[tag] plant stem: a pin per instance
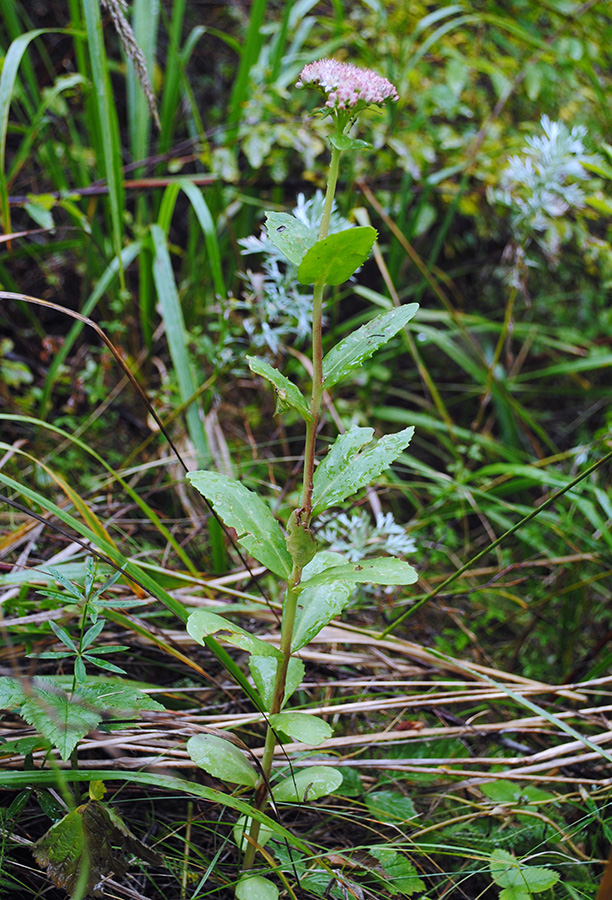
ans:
(291, 595)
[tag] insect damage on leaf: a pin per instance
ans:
(87, 846)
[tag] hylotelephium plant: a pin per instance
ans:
(318, 583)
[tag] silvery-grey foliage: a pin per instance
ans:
(279, 309)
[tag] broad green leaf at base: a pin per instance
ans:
(256, 887)
(302, 727)
(221, 759)
(307, 784)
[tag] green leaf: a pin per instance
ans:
(11, 693)
(258, 531)
(317, 606)
(300, 540)
(301, 727)
(287, 394)
(350, 352)
(289, 235)
(509, 872)
(402, 875)
(201, 624)
(256, 887)
(515, 893)
(114, 695)
(391, 807)
(344, 142)
(243, 827)
(263, 669)
(221, 759)
(384, 570)
(307, 784)
(352, 462)
(59, 718)
(86, 846)
(335, 258)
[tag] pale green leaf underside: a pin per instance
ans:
(301, 727)
(335, 258)
(307, 784)
(353, 462)
(202, 624)
(263, 669)
(384, 570)
(258, 531)
(256, 887)
(287, 392)
(221, 759)
(358, 346)
(289, 235)
(317, 606)
(242, 828)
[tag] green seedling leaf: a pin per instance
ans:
(11, 693)
(519, 880)
(258, 531)
(316, 607)
(263, 669)
(221, 759)
(391, 807)
(352, 462)
(288, 396)
(307, 784)
(202, 624)
(243, 827)
(334, 259)
(358, 346)
(300, 540)
(88, 845)
(291, 236)
(402, 875)
(256, 887)
(384, 570)
(301, 727)
(60, 719)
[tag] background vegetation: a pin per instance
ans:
(478, 724)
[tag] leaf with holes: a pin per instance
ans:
(289, 235)
(384, 570)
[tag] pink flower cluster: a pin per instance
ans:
(347, 85)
